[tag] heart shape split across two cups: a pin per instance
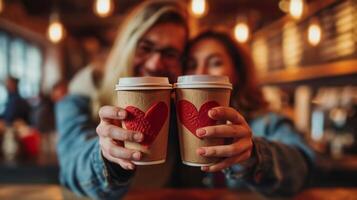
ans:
(146, 100)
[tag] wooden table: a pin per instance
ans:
(55, 192)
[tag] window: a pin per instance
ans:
(23, 60)
(3, 69)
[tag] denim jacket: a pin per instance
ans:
(82, 168)
(284, 160)
(282, 156)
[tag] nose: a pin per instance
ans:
(154, 63)
(201, 69)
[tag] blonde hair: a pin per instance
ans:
(135, 25)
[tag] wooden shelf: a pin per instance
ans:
(297, 74)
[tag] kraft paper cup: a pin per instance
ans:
(147, 101)
(195, 95)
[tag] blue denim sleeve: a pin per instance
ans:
(283, 159)
(82, 168)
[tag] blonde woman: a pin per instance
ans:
(150, 42)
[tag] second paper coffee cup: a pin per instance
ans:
(195, 96)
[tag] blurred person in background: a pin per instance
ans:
(16, 107)
(43, 116)
(59, 91)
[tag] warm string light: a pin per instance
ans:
(284, 5)
(198, 7)
(241, 32)
(55, 31)
(314, 34)
(296, 8)
(103, 8)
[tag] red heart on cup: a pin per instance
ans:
(149, 123)
(193, 119)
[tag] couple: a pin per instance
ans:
(266, 153)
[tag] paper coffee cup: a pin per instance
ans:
(147, 101)
(195, 96)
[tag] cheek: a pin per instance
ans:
(217, 71)
(228, 70)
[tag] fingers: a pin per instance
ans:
(111, 138)
(108, 113)
(108, 130)
(224, 130)
(226, 113)
(110, 148)
(227, 162)
(231, 150)
(125, 164)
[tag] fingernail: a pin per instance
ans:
(200, 132)
(204, 168)
(131, 167)
(201, 152)
(136, 156)
(122, 113)
(138, 137)
(213, 112)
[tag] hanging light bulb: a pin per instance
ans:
(103, 8)
(314, 34)
(241, 32)
(284, 5)
(198, 7)
(55, 31)
(296, 8)
(1, 5)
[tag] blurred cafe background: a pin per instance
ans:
(305, 52)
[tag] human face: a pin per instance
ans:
(159, 51)
(208, 56)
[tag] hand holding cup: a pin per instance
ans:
(112, 137)
(237, 129)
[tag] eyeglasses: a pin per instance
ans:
(146, 49)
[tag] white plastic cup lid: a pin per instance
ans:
(143, 83)
(203, 81)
